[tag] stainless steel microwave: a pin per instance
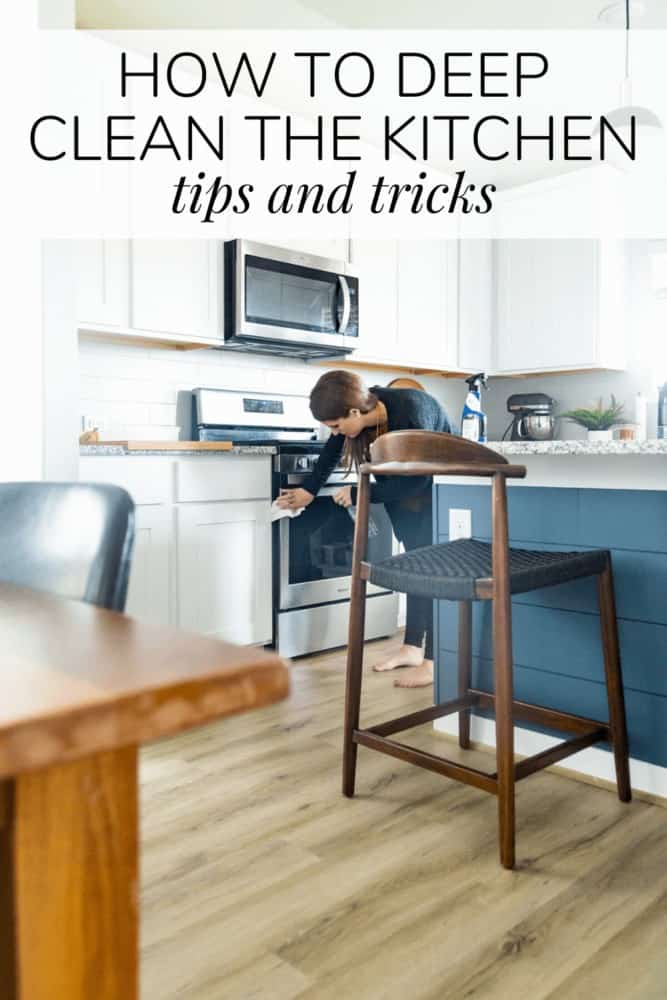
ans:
(280, 301)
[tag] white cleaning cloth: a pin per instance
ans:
(278, 512)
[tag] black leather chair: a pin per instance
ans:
(70, 539)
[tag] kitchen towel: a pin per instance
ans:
(278, 512)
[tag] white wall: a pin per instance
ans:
(61, 420)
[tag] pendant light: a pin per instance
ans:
(647, 123)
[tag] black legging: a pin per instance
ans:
(415, 529)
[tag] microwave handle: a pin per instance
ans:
(347, 303)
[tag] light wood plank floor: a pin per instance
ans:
(261, 881)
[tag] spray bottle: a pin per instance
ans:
(473, 419)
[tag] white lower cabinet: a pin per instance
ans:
(202, 552)
(224, 569)
(148, 596)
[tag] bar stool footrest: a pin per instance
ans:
(588, 732)
(529, 765)
(440, 765)
(548, 717)
(403, 722)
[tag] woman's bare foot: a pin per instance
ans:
(406, 656)
(421, 676)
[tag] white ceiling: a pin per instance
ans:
(125, 14)
(511, 14)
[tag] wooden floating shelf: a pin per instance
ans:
(168, 445)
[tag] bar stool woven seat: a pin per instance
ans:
(454, 570)
(466, 571)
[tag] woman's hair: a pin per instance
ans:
(332, 398)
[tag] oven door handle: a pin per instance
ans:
(347, 303)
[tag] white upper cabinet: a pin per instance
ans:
(475, 305)
(559, 305)
(175, 287)
(376, 264)
(408, 301)
(428, 303)
(102, 283)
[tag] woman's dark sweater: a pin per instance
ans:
(407, 410)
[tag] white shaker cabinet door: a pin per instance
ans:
(376, 264)
(224, 569)
(475, 305)
(175, 287)
(427, 303)
(102, 283)
(148, 597)
(550, 302)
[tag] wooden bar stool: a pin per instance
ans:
(465, 571)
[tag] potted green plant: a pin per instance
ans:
(598, 421)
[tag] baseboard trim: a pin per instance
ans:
(594, 766)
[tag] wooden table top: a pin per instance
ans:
(77, 679)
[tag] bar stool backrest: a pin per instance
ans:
(434, 453)
(432, 446)
(71, 539)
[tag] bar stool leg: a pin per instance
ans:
(502, 669)
(502, 666)
(612, 667)
(465, 668)
(355, 657)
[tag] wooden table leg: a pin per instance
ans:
(75, 879)
(7, 927)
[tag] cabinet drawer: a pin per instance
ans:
(146, 479)
(229, 477)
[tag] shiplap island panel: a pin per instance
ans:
(556, 630)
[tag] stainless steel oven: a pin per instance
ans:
(315, 550)
(280, 301)
(313, 565)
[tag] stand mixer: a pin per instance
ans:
(532, 417)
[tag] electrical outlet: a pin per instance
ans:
(460, 524)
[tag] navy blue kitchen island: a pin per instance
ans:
(575, 496)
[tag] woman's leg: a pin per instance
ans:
(415, 531)
(419, 628)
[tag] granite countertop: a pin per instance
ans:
(651, 447)
(119, 449)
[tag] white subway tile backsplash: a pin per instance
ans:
(162, 415)
(116, 366)
(122, 413)
(127, 390)
(148, 432)
(134, 389)
(225, 377)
